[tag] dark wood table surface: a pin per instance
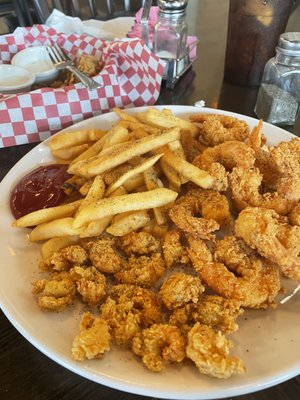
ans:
(26, 373)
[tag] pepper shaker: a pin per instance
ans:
(279, 93)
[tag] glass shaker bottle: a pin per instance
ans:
(170, 37)
(279, 93)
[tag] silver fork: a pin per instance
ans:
(62, 61)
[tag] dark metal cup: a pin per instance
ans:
(254, 27)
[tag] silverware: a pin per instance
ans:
(62, 61)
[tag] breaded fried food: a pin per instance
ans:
(210, 352)
(173, 250)
(179, 289)
(139, 243)
(157, 344)
(212, 310)
(55, 293)
(218, 128)
(90, 284)
(64, 259)
(144, 271)
(92, 340)
(103, 255)
(128, 310)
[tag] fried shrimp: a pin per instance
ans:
(179, 289)
(272, 237)
(159, 343)
(216, 128)
(229, 154)
(173, 250)
(92, 340)
(210, 353)
(143, 270)
(259, 292)
(245, 187)
(287, 158)
(212, 310)
(212, 207)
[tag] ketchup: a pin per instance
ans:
(41, 188)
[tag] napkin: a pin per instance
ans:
(110, 30)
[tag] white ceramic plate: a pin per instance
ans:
(267, 341)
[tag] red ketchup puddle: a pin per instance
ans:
(39, 189)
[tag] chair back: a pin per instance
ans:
(114, 8)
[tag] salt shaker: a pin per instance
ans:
(279, 93)
(170, 36)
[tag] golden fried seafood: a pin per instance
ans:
(217, 128)
(245, 187)
(103, 256)
(210, 353)
(92, 340)
(141, 270)
(259, 292)
(294, 216)
(212, 310)
(55, 293)
(191, 146)
(64, 259)
(272, 237)
(90, 284)
(139, 243)
(128, 309)
(179, 289)
(159, 343)
(287, 158)
(173, 250)
(229, 154)
(144, 301)
(212, 207)
(216, 170)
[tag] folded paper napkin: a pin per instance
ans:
(136, 30)
(111, 29)
(131, 76)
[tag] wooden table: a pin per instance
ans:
(25, 373)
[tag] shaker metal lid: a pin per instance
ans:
(172, 6)
(289, 43)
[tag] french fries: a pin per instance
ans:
(128, 222)
(130, 202)
(47, 214)
(125, 179)
(100, 164)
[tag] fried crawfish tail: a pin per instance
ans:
(272, 237)
(256, 290)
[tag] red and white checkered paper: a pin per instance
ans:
(131, 76)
